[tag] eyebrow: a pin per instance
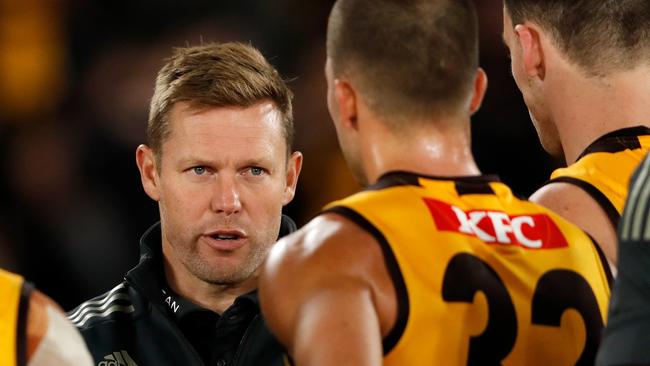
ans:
(194, 160)
(258, 162)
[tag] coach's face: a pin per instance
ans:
(523, 58)
(223, 178)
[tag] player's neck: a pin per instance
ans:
(445, 153)
(591, 108)
(208, 295)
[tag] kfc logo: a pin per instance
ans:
(536, 231)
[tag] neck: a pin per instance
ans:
(438, 151)
(589, 108)
(216, 297)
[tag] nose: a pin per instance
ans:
(225, 197)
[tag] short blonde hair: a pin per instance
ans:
(215, 75)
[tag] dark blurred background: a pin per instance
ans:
(75, 81)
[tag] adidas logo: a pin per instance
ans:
(120, 358)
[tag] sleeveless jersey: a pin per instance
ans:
(482, 277)
(14, 297)
(627, 336)
(604, 169)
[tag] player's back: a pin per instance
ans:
(481, 276)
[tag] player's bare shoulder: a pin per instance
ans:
(577, 206)
(329, 254)
(563, 198)
(305, 244)
(329, 243)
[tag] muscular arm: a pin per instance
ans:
(327, 296)
(578, 207)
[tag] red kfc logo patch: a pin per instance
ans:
(536, 231)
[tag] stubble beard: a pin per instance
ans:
(228, 273)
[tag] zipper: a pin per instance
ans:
(244, 338)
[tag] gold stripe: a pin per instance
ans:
(10, 285)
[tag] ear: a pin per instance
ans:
(480, 86)
(346, 98)
(532, 55)
(294, 165)
(146, 161)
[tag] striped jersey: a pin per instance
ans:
(482, 277)
(14, 302)
(603, 170)
(627, 336)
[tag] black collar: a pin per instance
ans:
(185, 311)
(615, 141)
(148, 276)
(404, 178)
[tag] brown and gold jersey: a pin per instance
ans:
(604, 169)
(14, 300)
(481, 276)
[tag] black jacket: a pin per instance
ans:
(142, 322)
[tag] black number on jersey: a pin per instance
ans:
(559, 290)
(465, 276)
(556, 291)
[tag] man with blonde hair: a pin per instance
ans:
(220, 166)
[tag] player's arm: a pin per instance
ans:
(51, 339)
(577, 206)
(319, 293)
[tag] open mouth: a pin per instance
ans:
(226, 236)
(226, 240)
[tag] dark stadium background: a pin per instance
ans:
(75, 80)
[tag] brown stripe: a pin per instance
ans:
(390, 341)
(597, 195)
(616, 141)
(603, 261)
(21, 326)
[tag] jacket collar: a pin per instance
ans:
(149, 278)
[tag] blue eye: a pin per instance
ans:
(257, 171)
(199, 170)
